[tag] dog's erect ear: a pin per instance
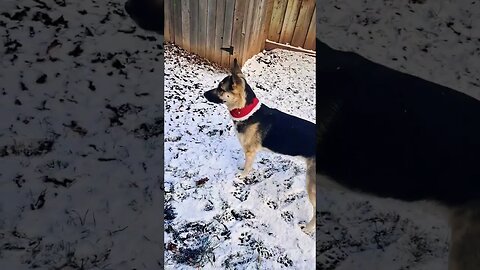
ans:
(237, 74)
(236, 68)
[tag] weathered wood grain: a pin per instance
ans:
(310, 40)
(303, 22)
(276, 23)
(194, 26)
(202, 27)
(291, 16)
(227, 31)
(186, 24)
(220, 22)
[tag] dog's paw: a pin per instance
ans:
(239, 175)
(308, 229)
(243, 174)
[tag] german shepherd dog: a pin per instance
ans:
(391, 134)
(260, 127)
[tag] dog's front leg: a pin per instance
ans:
(249, 158)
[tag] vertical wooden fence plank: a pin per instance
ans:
(202, 26)
(238, 17)
(278, 15)
(247, 31)
(211, 20)
(172, 21)
(262, 23)
(227, 31)
(255, 29)
(177, 20)
(310, 40)
(186, 24)
(268, 19)
(291, 16)
(194, 26)
(220, 21)
(303, 22)
(167, 23)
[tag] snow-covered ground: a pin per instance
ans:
(80, 137)
(438, 41)
(214, 219)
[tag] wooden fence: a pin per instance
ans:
(293, 22)
(221, 30)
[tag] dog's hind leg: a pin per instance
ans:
(312, 194)
(465, 239)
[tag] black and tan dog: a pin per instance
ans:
(390, 134)
(259, 126)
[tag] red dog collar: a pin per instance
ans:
(245, 112)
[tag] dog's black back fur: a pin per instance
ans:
(280, 132)
(395, 135)
(283, 133)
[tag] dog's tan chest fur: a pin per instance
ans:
(250, 138)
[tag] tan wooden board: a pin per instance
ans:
(227, 31)
(246, 31)
(177, 21)
(268, 19)
(303, 22)
(310, 41)
(186, 24)
(167, 23)
(262, 23)
(193, 26)
(256, 20)
(276, 23)
(238, 17)
(220, 21)
(202, 27)
(211, 20)
(271, 45)
(291, 16)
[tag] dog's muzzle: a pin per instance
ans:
(212, 96)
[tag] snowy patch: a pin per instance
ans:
(80, 150)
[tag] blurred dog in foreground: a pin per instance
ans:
(390, 134)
